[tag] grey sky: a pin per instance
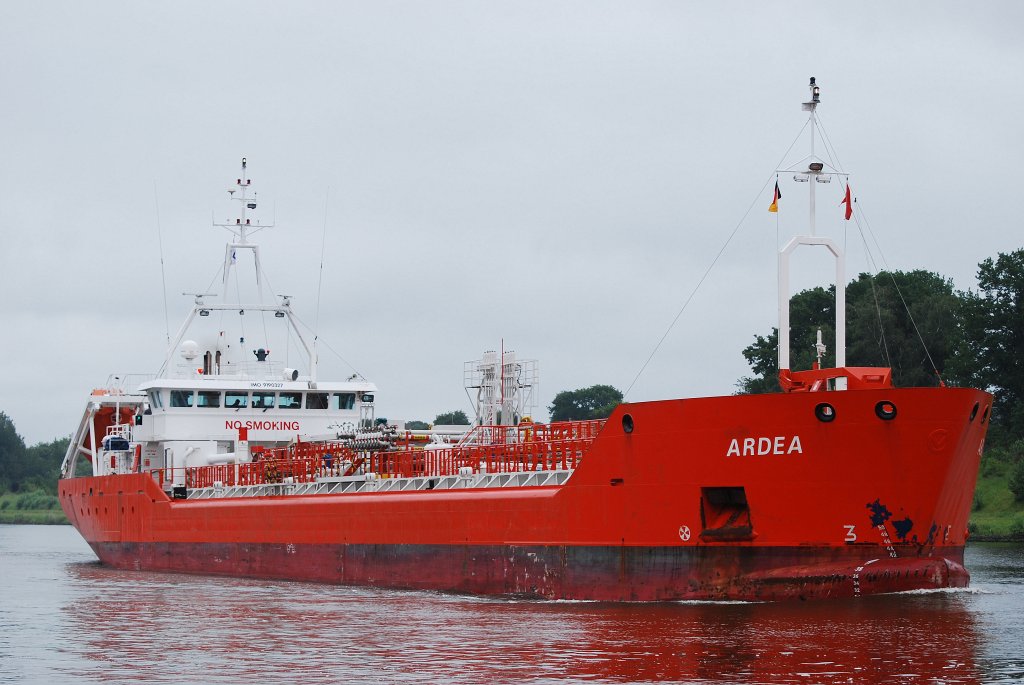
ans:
(557, 174)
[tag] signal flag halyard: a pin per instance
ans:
(849, 203)
(774, 207)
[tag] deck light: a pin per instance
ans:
(816, 166)
(278, 315)
(204, 312)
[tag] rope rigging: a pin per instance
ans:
(728, 240)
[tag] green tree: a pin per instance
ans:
(879, 329)
(809, 310)
(595, 402)
(991, 352)
(13, 467)
(417, 425)
(1016, 481)
(889, 315)
(28, 468)
(43, 463)
(452, 418)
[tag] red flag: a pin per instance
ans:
(849, 203)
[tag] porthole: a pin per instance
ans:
(974, 412)
(825, 412)
(627, 423)
(885, 410)
(984, 414)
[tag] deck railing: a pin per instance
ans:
(537, 447)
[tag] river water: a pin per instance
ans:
(65, 618)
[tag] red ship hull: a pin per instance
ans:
(743, 497)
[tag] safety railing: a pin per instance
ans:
(536, 447)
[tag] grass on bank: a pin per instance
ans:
(31, 507)
(996, 512)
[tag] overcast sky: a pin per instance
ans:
(557, 174)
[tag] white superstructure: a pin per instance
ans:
(218, 394)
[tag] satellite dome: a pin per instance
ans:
(189, 349)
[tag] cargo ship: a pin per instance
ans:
(229, 462)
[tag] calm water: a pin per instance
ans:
(64, 618)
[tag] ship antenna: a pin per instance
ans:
(319, 290)
(242, 228)
(812, 107)
(711, 266)
(163, 273)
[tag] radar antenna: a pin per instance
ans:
(242, 227)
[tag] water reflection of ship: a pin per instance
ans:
(241, 630)
(933, 637)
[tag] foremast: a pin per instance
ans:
(814, 170)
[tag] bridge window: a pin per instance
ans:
(236, 400)
(156, 399)
(343, 400)
(209, 399)
(182, 398)
(316, 400)
(289, 400)
(262, 400)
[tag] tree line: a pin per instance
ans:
(23, 468)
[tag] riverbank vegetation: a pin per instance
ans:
(34, 506)
(28, 477)
(998, 509)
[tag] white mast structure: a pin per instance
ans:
(242, 228)
(506, 387)
(813, 170)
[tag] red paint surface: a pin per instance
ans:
(620, 541)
